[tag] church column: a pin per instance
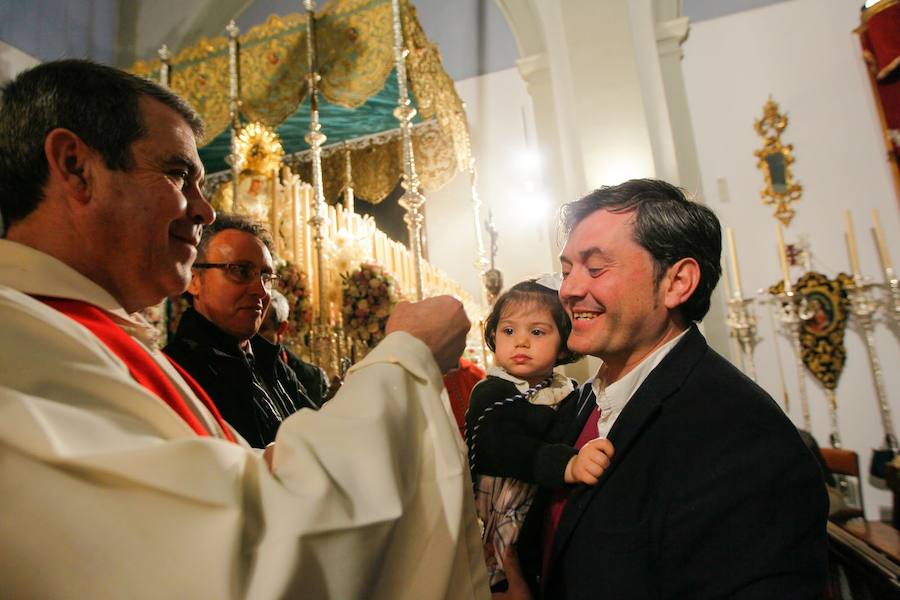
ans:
(670, 35)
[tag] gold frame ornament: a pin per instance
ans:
(259, 148)
(775, 160)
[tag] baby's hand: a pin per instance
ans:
(588, 465)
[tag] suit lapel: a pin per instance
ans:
(640, 410)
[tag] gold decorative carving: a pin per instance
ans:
(259, 148)
(377, 168)
(355, 57)
(774, 160)
(433, 89)
(825, 321)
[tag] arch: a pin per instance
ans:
(525, 25)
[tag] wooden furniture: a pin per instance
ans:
(864, 561)
(844, 464)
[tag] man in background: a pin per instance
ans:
(216, 339)
(118, 476)
(273, 328)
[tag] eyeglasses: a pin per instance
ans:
(242, 273)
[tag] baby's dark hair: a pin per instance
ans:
(527, 292)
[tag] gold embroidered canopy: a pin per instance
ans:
(356, 64)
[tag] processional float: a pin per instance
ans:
(260, 95)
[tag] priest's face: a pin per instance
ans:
(234, 299)
(148, 218)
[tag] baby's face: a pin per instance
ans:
(527, 341)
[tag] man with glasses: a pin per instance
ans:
(217, 342)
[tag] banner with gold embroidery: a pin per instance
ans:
(824, 310)
(356, 61)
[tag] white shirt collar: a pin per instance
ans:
(38, 274)
(612, 398)
(560, 386)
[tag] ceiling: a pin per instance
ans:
(473, 35)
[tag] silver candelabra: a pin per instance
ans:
(742, 322)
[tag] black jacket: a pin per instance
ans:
(311, 377)
(710, 494)
(217, 362)
(514, 439)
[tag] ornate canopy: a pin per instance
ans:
(358, 94)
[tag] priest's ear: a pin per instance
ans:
(69, 163)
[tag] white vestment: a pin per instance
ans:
(105, 492)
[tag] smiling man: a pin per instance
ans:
(711, 492)
(118, 476)
(217, 342)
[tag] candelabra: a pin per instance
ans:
(792, 311)
(864, 306)
(742, 322)
(234, 106)
(322, 346)
(412, 200)
(892, 302)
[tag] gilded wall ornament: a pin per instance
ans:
(774, 160)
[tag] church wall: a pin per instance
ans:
(13, 61)
(804, 53)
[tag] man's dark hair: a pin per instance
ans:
(233, 221)
(667, 225)
(530, 292)
(96, 102)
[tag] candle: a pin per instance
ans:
(306, 190)
(295, 218)
(782, 255)
(882, 246)
(273, 213)
(851, 245)
(725, 277)
(735, 270)
(483, 346)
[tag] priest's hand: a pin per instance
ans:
(440, 322)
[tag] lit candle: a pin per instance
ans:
(295, 225)
(851, 245)
(270, 209)
(782, 255)
(735, 270)
(882, 245)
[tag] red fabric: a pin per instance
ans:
(559, 498)
(880, 40)
(883, 31)
(142, 367)
(459, 384)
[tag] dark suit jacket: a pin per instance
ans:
(710, 494)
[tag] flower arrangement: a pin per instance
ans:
(294, 284)
(164, 317)
(369, 295)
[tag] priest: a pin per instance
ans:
(118, 476)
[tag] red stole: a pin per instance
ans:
(559, 498)
(144, 370)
